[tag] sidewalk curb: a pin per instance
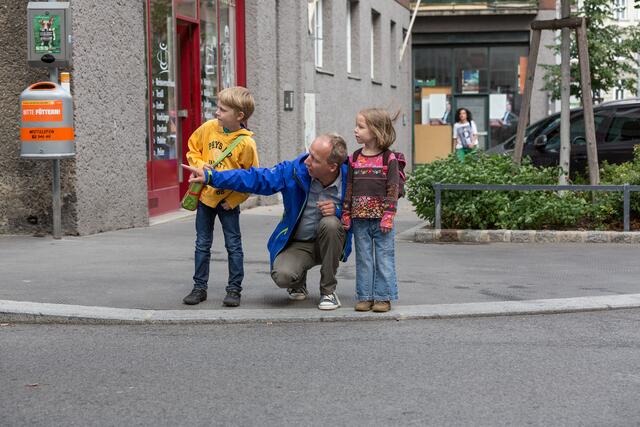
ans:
(429, 235)
(30, 312)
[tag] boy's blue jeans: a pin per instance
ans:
(375, 261)
(230, 221)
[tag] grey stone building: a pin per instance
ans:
(146, 73)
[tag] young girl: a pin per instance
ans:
(369, 207)
(465, 133)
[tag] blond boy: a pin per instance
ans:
(206, 144)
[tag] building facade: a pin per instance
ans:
(146, 73)
(626, 15)
(474, 54)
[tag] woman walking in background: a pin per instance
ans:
(465, 133)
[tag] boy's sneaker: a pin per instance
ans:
(329, 302)
(232, 299)
(195, 297)
(297, 294)
(381, 306)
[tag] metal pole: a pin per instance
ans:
(565, 71)
(406, 39)
(627, 203)
(436, 187)
(56, 205)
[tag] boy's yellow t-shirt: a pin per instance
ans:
(206, 145)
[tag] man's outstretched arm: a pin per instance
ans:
(264, 181)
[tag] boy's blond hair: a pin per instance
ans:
(381, 124)
(239, 99)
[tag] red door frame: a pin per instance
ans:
(163, 183)
(188, 39)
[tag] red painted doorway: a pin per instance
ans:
(189, 113)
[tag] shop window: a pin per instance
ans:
(506, 68)
(432, 66)
(187, 8)
(163, 118)
(227, 44)
(506, 83)
(375, 44)
(209, 57)
(217, 52)
(471, 65)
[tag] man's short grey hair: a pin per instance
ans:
(338, 148)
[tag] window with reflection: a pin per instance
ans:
(471, 69)
(209, 57)
(227, 44)
(433, 66)
(162, 67)
(187, 8)
(217, 51)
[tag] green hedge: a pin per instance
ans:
(518, 210)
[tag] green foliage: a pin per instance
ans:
(515, 209)
(625, 173)
(612, 52)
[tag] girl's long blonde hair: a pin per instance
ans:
(381, 124)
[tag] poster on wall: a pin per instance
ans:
(440, 110)
(470, 81)
(46, 34)
(497, 103)
(503, 121)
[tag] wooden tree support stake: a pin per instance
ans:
(580, 26)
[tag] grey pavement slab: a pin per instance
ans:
(150, 269)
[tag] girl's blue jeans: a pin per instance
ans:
(230, 220)
(375, 261)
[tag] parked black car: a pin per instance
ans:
(617, 132)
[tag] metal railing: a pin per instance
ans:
(492, 4)
(626, 189)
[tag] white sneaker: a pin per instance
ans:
(297, 294)
(329, 302)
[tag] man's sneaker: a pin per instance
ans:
(232, 299)
(297, 294)
(195, 297)
(329, 302)
(381, 306)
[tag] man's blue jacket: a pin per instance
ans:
(292, 180)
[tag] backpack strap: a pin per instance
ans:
(385, 160)
(227, 152)
(355, 155)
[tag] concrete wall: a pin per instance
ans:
(280, 56)
(104, 187)
(110, 87)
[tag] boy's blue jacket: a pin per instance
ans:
(292, 180)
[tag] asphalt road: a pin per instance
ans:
(564, 370)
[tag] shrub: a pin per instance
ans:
(514, 209)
